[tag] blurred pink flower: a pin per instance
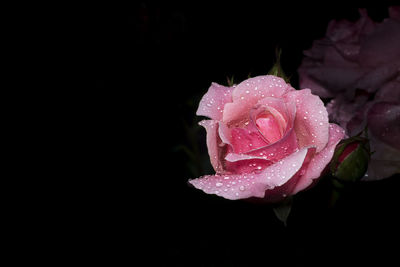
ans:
(358, 65)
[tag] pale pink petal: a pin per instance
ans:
(213, 102)
(311, 124)
(225, 133)
(320, 160)
(211, 127)
(239, 186)
(249, 92)
(384, 123)
(279, 193)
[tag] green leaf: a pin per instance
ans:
(276, 69)
(282, 209)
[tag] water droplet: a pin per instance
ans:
(219, 184)
(321, 123)
(305, 117)
(241, 188)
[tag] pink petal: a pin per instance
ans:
(239, 186)
(249, 92)
(246, 165)
(211, 127)
(275, 106)
(311, 123)
(320, 160)
(287, 189)
(384, 123)
(269, 128)
(213, 102)
(225, 133)
(244, 140)
(285, 146)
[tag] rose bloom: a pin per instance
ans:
(358, 65)
(265, 139)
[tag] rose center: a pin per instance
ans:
(271, 126)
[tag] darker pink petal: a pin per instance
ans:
(384, 122)
(244, 140)
(382, 46)
(311, 123)
(213, 102)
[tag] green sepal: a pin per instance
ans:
(283, 208)
(276, 69)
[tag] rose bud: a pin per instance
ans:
(350, 161)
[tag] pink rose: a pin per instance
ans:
(358, 65)
(265, 139)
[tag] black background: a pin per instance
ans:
(149, 63)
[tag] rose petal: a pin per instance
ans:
(384, 123)
(381, 46)
(306, 81)
(286, 145)
(213, 102)
(287, 189)
(211, 127)
(320, 160)
(249, 92)
(311, 123)
(245, 139)
(239, 186)
(390, 91)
